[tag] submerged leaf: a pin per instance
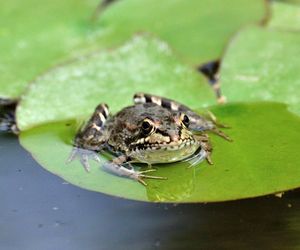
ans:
(262, 159)
(143, 64)
(262, 64)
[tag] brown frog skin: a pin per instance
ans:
(153, 130)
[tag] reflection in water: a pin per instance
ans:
(40, 211)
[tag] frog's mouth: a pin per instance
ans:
(143, 145)
(163, 150)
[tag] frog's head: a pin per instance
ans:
(165, 134)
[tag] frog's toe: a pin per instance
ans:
(72, 155)
(84, 160)
(148, 171)
(84, 155)
(221, 134)
(140, 176)
(95, 157)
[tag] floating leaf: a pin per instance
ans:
(285, 16)
(144, 64)
(262, 64)
(290, 1)
(36, 35)
(262, 159)
(198, 30)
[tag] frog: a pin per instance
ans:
(154, 130)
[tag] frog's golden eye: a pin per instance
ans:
(147, 126)
(185, 120)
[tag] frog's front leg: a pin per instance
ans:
(91, 138)
(203, 152)
(121, 166)
(206, 146)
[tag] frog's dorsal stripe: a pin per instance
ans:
(93, 128)
(100, 115)
(197, 122)
(91, 136)
(164, 102)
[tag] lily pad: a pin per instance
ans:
(197, 30)
(262, 64)
(143, 64)
(285, 16)
(262, 159)
(290, 1)
(36, 35)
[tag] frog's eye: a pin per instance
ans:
(147, 127)
(185, 120)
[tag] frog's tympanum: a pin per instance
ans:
(153, 130)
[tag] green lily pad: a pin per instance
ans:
(262, 159)
(143, 64)
(285, 16)
(262, 64)
(197, 30)
(36, 35)
(290, 1)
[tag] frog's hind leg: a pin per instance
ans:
(215, 129)
(121, 166)
(91, 138)
(213, 118)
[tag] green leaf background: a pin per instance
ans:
(260, 63)
(143, 64)
(36, 35)
(197, 30)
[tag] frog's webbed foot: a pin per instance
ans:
(121, 167)
(84, 155)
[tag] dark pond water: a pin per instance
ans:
(40, 211)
